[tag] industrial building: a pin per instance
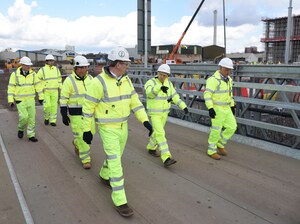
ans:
(275, 39)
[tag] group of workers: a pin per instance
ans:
(107, 100)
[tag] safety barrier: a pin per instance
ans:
(266, 96)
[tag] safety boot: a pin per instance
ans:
(222, 151)
(46, 122)
(124, 210)
(53, 124)
(20, 134)
(106, 183)
(215, 156)
(76, 149)
(154, 153)
(87, 166)
(169, 162)
(33, 139)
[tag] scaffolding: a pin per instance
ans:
(275, 37)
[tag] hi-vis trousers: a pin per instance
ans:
(158, 138)
(219, 137)
(50, 105)
(27, 111)
(114, 141)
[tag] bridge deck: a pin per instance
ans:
(248, 186)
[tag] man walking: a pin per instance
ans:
(220, 104)
(51, 81)
(110, 98)
(160, 92)
(22, 88)
(72, 95)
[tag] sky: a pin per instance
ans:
(94, 26)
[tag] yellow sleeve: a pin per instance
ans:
(11, 88)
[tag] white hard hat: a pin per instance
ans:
(49, 57)
(25, 61)
(226, 62)
(164, 68)
(118, 54)
(80, 61)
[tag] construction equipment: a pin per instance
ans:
(12, 63)
(184, 32)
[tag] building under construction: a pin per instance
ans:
(275, 39)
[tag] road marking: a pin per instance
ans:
(23, 204)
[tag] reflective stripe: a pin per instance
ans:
(104, 86)
(116, 179)
(116, 98)
(162, 144)
(74, 85)
(158, 111)
(30, 94)
(215, 127)
(51, 88)
(137, 108)
(86, 156)
(77, 95)
(109, 120)
(222, 103)
(174, 94)
(161, 98)
(221, 91)
(179, 102)
(111, 156)
(64, 98)
(75, 106)
(164, 150)
(118, 188)
(87, 115)
(93, 99)
(209, 90)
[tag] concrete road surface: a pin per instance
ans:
(249, 186)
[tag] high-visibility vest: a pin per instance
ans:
(218, 92)
(73, 93)
(111, 100)
(157, 100)
(22, 87)
(50, 77)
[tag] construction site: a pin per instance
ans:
(275, 39)
(258, 182)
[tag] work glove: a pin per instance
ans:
(186, 111)
(233, 110)
(64, 114)
(11, 105)
(164, 89)
(41, 102)
(149, 127)
(88, 137)
(212, 113)
(169, 100)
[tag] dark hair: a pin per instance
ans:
(112, 63)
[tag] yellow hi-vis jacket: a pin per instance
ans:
(218, 92)
(157, 100)
(73, 92)
(22, 87)
(110, 101)
(50, 77)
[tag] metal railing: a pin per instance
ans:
(267, 98)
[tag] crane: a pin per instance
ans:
(184, 32)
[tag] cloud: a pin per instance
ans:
(22, 29)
